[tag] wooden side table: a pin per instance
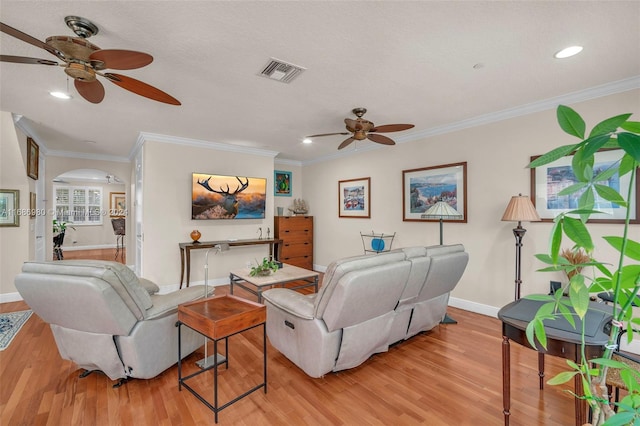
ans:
(562, 341)
(219, 318)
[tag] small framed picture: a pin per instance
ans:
(354, 199)
(117, 204)
(282, 183)
(33, 152)
(32, 204)
(9, 205)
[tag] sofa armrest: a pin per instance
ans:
(164, 304)
(291, 302)
(150, 286)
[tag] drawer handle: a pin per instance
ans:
(290, 325)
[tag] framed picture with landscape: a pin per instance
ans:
(548, 180)
(9, 205)
(354, 199)
(423, 188)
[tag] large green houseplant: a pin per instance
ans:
(621, 279)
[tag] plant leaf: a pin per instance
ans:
(561, 378)
(577, 231)
(632, 250)
(595, 143)
(631, 144)
(570, 121)
(572, 188)
(552, 155)
(609, 125)
(631, 126)
(610, 194)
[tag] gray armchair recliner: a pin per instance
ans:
(105, 318)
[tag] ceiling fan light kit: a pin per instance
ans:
(361, 129)
(84, 61)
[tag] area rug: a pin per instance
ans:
(10, 324)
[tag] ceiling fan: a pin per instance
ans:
(362, 129)
(83, 61)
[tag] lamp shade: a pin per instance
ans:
(441, 210)
(520, 209)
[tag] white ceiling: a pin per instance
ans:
(406, 62)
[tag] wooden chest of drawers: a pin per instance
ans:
(296, 233)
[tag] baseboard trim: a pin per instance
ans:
(90, 247)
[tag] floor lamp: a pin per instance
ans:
(215, 358)
(442, 210)
(520, 209)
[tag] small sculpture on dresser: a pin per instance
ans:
(299, 207)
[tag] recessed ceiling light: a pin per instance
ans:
(306, 140)
(60, 95)
(567, 52)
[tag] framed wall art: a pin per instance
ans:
(354, 198)
(117, 204)
(423, 188)
(32, 204)
(9, 205)
(548, 180)
(33, 152)
(282, 183)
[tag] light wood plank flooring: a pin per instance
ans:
(97, 254)
(448, 376)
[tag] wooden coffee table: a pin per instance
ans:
(288, 273)
(219, 318)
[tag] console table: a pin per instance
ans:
(562, 340)
(185, 250)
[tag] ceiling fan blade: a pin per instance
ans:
(29, 39)
(142, 89)
(346, 143)
(25, 60)
(121, 59)
(381, 139)
(327, 134)
(91, 91)
(391, 128)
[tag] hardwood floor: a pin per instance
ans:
(99, 254)
(448, 376)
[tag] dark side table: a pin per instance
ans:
(562, 340)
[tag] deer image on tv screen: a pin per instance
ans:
(227, 197)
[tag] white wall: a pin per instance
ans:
(15, 242)
(496, 156)
(167, 220)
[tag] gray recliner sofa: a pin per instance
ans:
(365, 304)
(103, 317)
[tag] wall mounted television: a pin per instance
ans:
(227, 197)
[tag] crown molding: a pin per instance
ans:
(176, 140)
(87, 156)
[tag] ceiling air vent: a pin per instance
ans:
(281, 71)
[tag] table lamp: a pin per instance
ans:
(520, 209)
(441, 210)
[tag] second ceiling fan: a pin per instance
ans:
(361, 129)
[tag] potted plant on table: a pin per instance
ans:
(267, 267)
(621, 279)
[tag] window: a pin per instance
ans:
(80, 205)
